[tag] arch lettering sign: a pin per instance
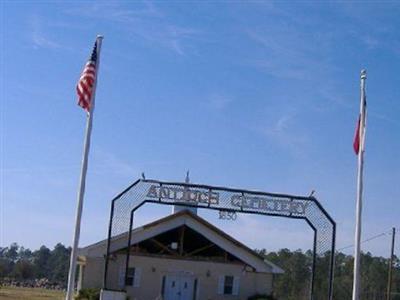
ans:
(229, 202)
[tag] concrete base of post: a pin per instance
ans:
(112, 295)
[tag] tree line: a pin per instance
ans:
(294, 284)
(19, 263)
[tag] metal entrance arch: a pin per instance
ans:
(143, 191)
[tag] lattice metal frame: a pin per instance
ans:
(309, 209)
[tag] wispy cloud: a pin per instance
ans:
(146, 21)
(103, 161)
(370, 41)
(110, 163)
(282, 131)
(38, 36)
(383, 117)
(332, 96)
(373, 33)
(288, 53)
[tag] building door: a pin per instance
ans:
(179, 287)
(187, 284)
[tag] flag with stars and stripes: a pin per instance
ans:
(86, 83)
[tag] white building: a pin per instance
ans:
(179, 257)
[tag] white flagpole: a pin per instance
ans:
(82, 181)
(356, 275)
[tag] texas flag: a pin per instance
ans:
(359, 136)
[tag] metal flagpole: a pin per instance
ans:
(82, 181)
(356, 275)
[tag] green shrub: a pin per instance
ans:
(88, 294)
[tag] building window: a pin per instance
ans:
(228, 285)
(130, 278)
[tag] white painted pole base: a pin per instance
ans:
(112, 295)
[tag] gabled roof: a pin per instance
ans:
(196, 223)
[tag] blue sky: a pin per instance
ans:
(259, 95)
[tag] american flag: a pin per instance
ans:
(85, 86)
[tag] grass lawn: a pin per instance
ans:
(20, 293)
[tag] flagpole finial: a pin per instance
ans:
(363, 74)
